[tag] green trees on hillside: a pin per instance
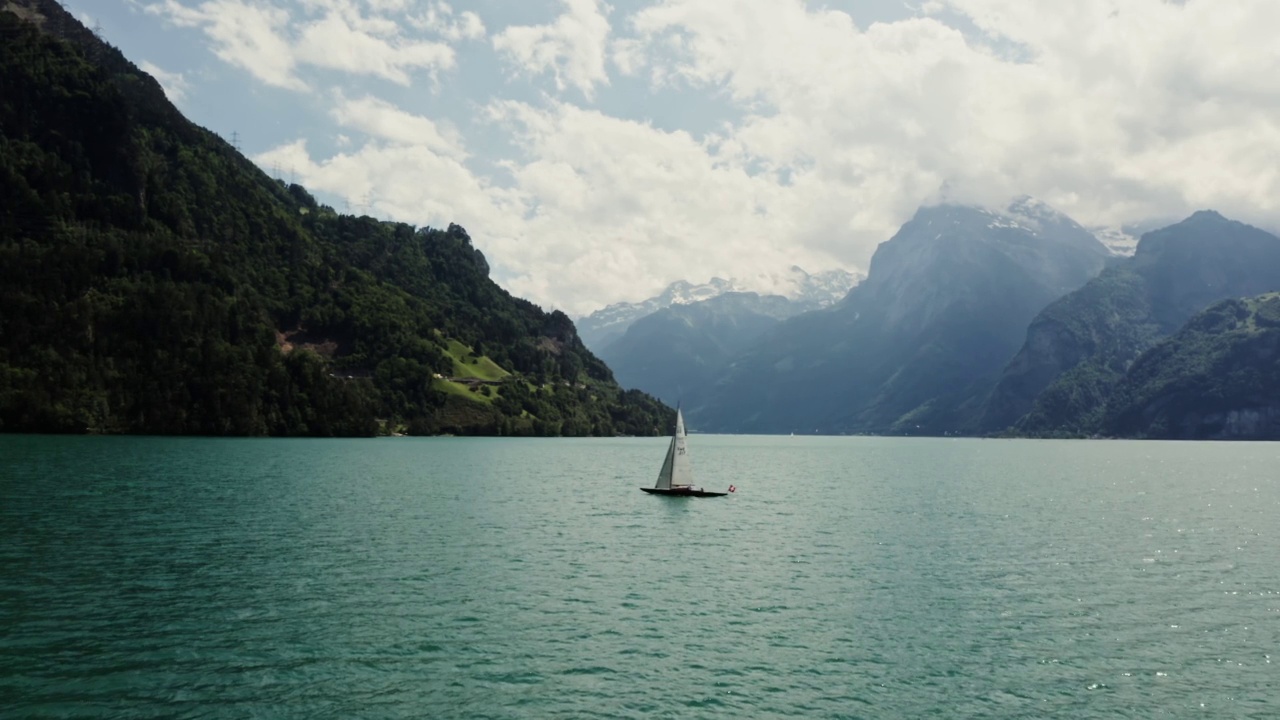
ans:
(1224, 361)
(1084, 346)
(154, 281)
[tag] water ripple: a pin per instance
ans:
(858, 577)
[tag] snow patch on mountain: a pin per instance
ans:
(810, 291)
(1117, 240)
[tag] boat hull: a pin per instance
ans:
(682, 492)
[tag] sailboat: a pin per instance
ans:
(676, 476)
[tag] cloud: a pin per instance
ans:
(628, 55)
(829, 134)
(273, 41)
(175, 84)
(439, 18)
(632, 206)
(407, 167)
(380, 119)
(1070, 102)
(1114, 111)
(572, 48)
(244, 35)
(411, 184)
(596, 204)
(336, 43)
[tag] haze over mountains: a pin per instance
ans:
(679, 350)
(800, 290)
(969, 322)
(677, 342)
(915, 347)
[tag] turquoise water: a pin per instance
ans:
(513, 578)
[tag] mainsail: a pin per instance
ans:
(676, 469)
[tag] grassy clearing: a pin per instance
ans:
(466, 365)
(465, 391)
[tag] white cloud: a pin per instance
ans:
(272, 41)
(631, 208)
(380, 119)
(409, 183)
(244, 35)
(599, 205)
(572, 48)
(408, 168)
(1070, 102)
(629, 205)
(335, 43)
(175, 84)
(439, 18)
(835, 133)
(628, 55)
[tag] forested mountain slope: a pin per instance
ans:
(675, 352)
(153, 280)
(1216, 378)
(1079, 347)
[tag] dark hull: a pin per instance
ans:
(682, 492)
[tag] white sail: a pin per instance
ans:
(664, 475)
(676, 469)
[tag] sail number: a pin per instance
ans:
(679, 451)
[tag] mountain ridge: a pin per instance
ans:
(156, 281)
(1216, 378)
(808, 292)
(674, 351)
(913, 347)
(1081, 345)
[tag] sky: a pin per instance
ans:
(596, 152)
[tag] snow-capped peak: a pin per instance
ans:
(1036, 213)
(810, 291)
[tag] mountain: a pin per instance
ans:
(674, 352)
(916, 347)
(153, 280)
(1079, 347)
(807, 292)
(1217, 378)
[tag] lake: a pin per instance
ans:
(530, 578)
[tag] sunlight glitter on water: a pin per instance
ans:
(887, 578)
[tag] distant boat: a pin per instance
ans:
(676, 476)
